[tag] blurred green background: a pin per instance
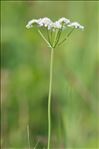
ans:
(25, 77)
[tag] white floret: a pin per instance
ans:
(57, 25)
(64, 20)
(30, 23)
(45, 22)
(76, 25)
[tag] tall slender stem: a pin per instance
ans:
(49, 98)
(28, 135)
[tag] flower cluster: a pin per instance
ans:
(50, 25)
(54, 37)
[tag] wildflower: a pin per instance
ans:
(50, 25)
(76, 25)
(53, 40)
(64, 20)
(57, 25)
(45, 22)
(56, 28)
(30, 23)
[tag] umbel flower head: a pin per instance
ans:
(57, 26)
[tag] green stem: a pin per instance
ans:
(66, 37)
(49, 99)
(58, 37)
(49, 39)
(44, 38)
(28, 135)
(55, 37)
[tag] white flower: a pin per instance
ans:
(64, 20)
(30, 23)
(50, 25)
(45, 22)
(57, 25)
(76, 25)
